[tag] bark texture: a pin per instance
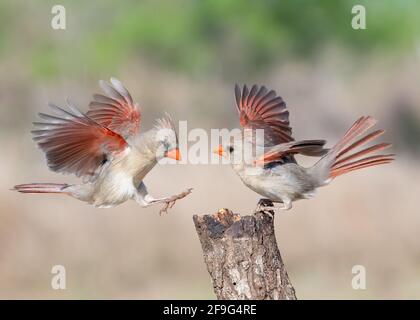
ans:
(242, 256)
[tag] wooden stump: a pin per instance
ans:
(242, 256)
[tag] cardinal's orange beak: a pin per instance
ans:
(173, 154)
(219, 150)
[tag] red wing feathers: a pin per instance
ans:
(116, 109)
(262, 109)
(75, 143)
(304, 147)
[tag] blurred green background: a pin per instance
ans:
(184, 57)
(197, 37)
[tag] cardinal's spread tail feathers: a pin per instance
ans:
(41, 188)
(342, 158)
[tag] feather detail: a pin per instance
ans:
(344, 161)
(75, 143)
(41, 188)
(115, 110)
(304, 147)
(262, 109)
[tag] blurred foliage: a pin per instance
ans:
(407, 129)
(205, 35)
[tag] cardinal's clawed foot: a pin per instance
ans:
(169, 202)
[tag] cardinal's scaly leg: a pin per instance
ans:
(143, 198)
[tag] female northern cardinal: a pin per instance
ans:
(104, 146)
(275, 174)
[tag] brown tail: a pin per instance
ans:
(41, 188)
(344, 162)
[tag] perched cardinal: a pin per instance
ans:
(105, 147)
(271, 169)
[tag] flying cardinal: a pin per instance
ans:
(271, 169)
(104, 147)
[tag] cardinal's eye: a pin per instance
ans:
(230, 149)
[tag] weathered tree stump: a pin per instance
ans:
(242, 256)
